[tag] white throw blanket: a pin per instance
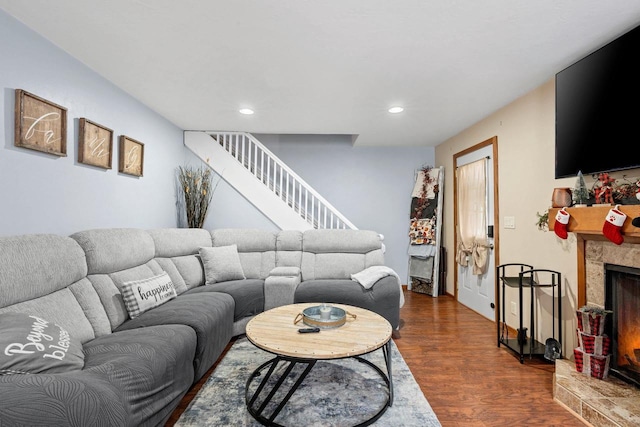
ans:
(369, 276)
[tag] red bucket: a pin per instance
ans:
(590, 364)
(599, 345)
(591, 322)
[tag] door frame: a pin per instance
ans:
(493, 141)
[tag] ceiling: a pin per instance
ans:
(328, 66)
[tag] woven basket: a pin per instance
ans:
(590, 364)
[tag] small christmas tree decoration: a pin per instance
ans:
(580, 192)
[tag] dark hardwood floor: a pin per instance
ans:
(466, 378)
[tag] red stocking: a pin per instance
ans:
(560, 226)
(613, 225)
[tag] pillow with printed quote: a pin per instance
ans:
(143, 295)
(32, 345)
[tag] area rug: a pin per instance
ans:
(335, 394)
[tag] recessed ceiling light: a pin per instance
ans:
(247, 111)
(396, 110)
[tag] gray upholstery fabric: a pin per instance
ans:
(173, 242)
(289, 248)
(383, 298)
(248, 240)
(209, 314)
(248, 295)
(60, 307)
(108, 288)
(177, 252)
(191, 270)
(178, 281)
(255, 247)
(151, 368)
(37, 265)
(72, 399)
(337, 254)
(110, 298)
(347, 241)
(221, 263)
(89, 300)
(26, 349)
(279, 289)
(114, 249)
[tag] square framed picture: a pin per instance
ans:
(131, 156)
(95, 144)
(41, 125)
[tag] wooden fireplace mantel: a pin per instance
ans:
(587, 223)
(590, 219)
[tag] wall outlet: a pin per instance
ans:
(514, 309)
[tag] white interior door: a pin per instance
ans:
(477, 291)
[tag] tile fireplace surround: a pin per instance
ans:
(609, 402)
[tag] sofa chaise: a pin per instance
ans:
(113, 326)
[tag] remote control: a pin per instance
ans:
(308, 330)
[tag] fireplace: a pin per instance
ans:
(622, 297)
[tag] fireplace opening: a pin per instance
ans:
(622, 297)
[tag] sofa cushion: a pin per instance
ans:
(248, 295)
(257, 249)
(37, 265)
(142, 295)
(32, 345)
(113, 249)
(151, 369)
(221, 263)
(210, 315)
(61, 308)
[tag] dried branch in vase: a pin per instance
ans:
(196, 184)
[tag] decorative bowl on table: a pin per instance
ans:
(323, 316)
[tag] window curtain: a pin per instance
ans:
(472, 216)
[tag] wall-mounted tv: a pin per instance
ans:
(598, 110)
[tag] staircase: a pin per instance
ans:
(264, 180)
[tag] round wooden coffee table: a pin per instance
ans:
(275, 332)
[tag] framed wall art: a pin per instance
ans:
(95, 144)
(40, 124)
(131, 156)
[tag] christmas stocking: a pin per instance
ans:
(560, 226)
(613, 225)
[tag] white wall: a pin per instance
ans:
(42, 193)
(526, 144)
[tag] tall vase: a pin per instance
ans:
(561, 197)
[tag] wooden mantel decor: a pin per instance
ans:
(589, 220)
(587, 223)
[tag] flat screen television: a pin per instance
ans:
(598, 110)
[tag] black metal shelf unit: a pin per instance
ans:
(522, 276)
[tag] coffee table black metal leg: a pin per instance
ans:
(387, 358)
(257, 414)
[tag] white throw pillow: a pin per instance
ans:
(221, 263)
(142, 295)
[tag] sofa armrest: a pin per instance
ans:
(280, 286)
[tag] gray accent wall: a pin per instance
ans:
(43, 193)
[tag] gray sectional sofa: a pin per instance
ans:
(113, 326)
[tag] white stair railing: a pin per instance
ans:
(281, 180)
